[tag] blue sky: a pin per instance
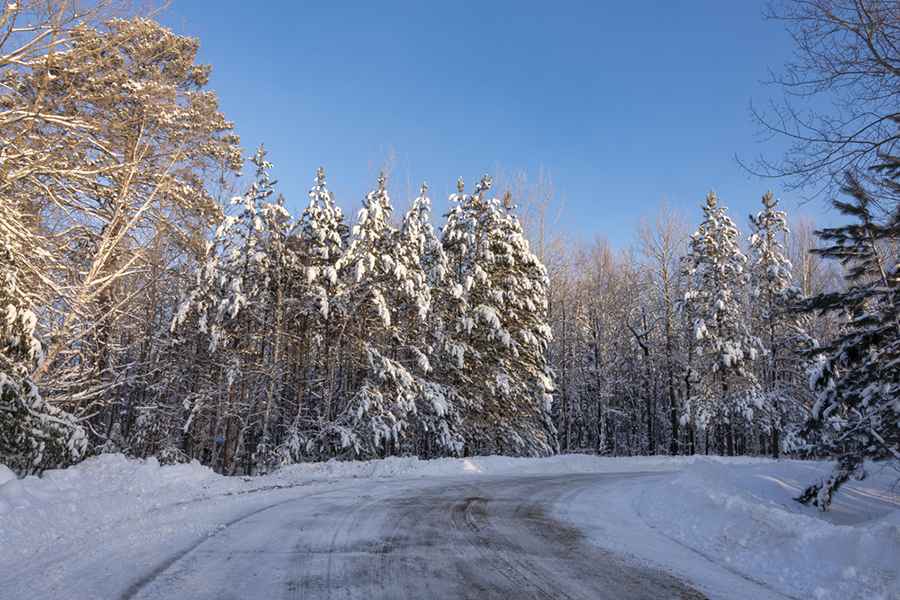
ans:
(624, 104)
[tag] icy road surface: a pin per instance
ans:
(490, 538)
(485, 537)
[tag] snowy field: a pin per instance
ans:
(113, 527)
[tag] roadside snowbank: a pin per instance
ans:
(395, 467)
(744, 518)
(102, 479)
(97, 495)
(6, 474)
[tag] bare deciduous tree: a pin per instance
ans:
(841, 92)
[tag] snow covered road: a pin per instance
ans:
(490, 538)
(487, 527)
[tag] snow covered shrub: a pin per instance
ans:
(172, 456)
(33, 434)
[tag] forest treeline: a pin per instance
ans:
(153, 306)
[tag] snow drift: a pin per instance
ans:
(744, 518)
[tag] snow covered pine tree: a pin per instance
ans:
(33, 434)
(318, 241)
(502, 287)
(438, 418)
(716, 270)
(388, 296)
(239, 303)
(857, 375)
(773, 318)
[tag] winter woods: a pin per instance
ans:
(146, 313)
(310, 338)
(160, 297)
(691, 344)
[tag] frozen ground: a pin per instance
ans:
(563, 527)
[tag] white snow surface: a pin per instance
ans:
(720, 516)
(745, 518)
(6, 474)
(728, 526)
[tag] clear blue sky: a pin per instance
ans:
(623, 103)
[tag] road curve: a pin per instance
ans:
(473, 538)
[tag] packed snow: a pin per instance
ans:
(712, 521)
(744, 517)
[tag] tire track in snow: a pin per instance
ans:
(135, 588)
(452, 538)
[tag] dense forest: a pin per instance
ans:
(158, 298)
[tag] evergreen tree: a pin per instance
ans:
(240, 299)
(319, 241)
(717, 276)
(389, 298)
(857, 375)
(502, 320)
(278, 280)
(34, 435)
(773, 299)
(437, 412)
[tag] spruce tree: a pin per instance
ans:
(389, 297)
(716, 269)
(318, 242)
(772, 308)
(240, 301)
(437, 412)
(501, 319)
(857, 375)
(320, 239)
(34, 435)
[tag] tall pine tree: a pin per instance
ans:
(717, 273)
(320, 240)
(437, 413)
(772, 309)
(857, 375)
(388, 295)
(502, 322)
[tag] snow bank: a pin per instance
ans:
(97, 495)
(99, 479)
(395, 467)
(6, 474)
(744, 518)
